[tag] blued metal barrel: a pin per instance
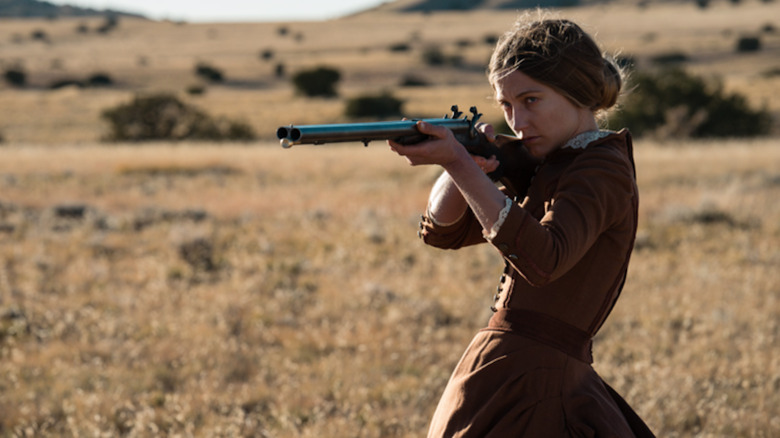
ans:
(404, 131)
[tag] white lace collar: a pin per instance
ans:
(582, 140)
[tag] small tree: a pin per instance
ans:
(318, 82)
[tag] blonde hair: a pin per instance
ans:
(559, 54)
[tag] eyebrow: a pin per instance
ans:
(500, 97)
(526, 92)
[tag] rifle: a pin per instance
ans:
(512, 156)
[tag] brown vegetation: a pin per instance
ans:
(222, 290)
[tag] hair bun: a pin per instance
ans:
(613, 83)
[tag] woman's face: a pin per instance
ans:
(543, 118)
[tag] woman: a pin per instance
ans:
(566, 234)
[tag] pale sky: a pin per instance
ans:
(231, 10)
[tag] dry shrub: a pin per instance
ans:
(165, 117)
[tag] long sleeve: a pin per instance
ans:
(591, 196)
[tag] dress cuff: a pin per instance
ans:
(502, 215)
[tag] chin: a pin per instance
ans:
(536, 153)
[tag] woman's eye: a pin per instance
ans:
(531, 99)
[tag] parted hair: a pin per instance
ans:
(559, 54)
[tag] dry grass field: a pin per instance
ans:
(200, 289)
(235, 291)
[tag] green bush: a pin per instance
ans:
(317, 82)
(165, 117)
(490, 40)
(94, 80)
(110, 23)
(435, 57)
(196, 90)
(748, 44)
(279, 70)
(400, 47)
(379, 106)
(39, 35)
(674, 57)
(16, 77)
(208, 72)
(267, 54)
(99, 80)
(411, 80)
(673, 103)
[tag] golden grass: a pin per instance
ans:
(229, 290)
(223, 290)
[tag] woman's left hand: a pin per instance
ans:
(442, 149)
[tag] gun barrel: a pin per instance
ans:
(361, 132)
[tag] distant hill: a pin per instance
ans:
(465, 5)
(35, 8)
(472, 5)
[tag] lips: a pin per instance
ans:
(530, 139)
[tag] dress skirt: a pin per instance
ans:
(509, 385)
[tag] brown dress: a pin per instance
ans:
(566, 242)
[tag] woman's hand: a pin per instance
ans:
(442, 148)
(462, 185)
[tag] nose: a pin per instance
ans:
(517, 121)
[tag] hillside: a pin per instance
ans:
(35, 8)
(206, 289)
(428, 6)
(467, 5)
(258, 61)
